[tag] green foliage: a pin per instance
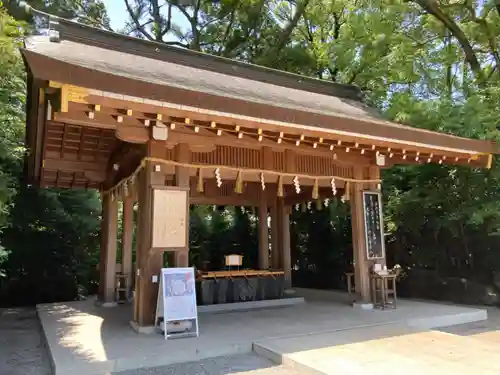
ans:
(53, 239)
(430, 64)
(90, 12)
(48, 238)
(219, 231)
(11, 117)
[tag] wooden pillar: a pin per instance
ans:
(263, 233)
(275, 234)
(149, 261)
(182, 179)
(127, 235)
(107, 264)
(284, 214)
(286, 257)
(361, 269)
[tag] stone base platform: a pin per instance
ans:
(86, 339)
(382, 350)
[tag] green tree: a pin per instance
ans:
(11, 117)
(49, 237)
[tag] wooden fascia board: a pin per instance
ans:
(72, 165)
(78, 75)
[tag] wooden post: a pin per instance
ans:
(107, 264)
(275, 234)
(286, 253)
(361, 268)
(263, 233)
(127, 235)
(284, 214)
(149, 262)
(182, 179)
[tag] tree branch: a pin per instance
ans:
(195, 43)
(144, 24)
(432, 8)
(483, 23)
(157, 21)
(135, 19)
(168, 26)
(226, 33)
(336, 34)
(92, 21)
(287, 31)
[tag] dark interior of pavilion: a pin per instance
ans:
(320, 238)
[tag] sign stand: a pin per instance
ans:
(176, 310)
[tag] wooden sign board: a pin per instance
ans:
(374, 225)
(234, 260)
(176, 309)
(170, 219)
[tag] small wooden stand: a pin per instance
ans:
(383, 288)
(122, 288)
(351, 287)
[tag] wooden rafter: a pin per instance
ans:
(133, 128)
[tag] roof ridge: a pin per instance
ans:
(85, 34)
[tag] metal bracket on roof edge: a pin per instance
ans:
(53, 21)
(53, 30)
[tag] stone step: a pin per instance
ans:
(384, 350)
(492, 337)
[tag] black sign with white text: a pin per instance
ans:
(374, 226)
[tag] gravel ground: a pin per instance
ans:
(22, 352)
(22, 349)
(247, 364)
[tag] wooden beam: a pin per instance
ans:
(179, 136)
(196, 116)
(81, 119)
(349, 151)
(72, 165)
(126, 156)
(134, 131)
(237, 201)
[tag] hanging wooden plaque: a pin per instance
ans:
(374, 225)
(170, 218)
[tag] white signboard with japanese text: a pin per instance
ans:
(176, 310)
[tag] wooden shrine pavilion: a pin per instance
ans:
(168, 128)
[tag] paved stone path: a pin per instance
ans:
(490, 326)
(22, 351)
